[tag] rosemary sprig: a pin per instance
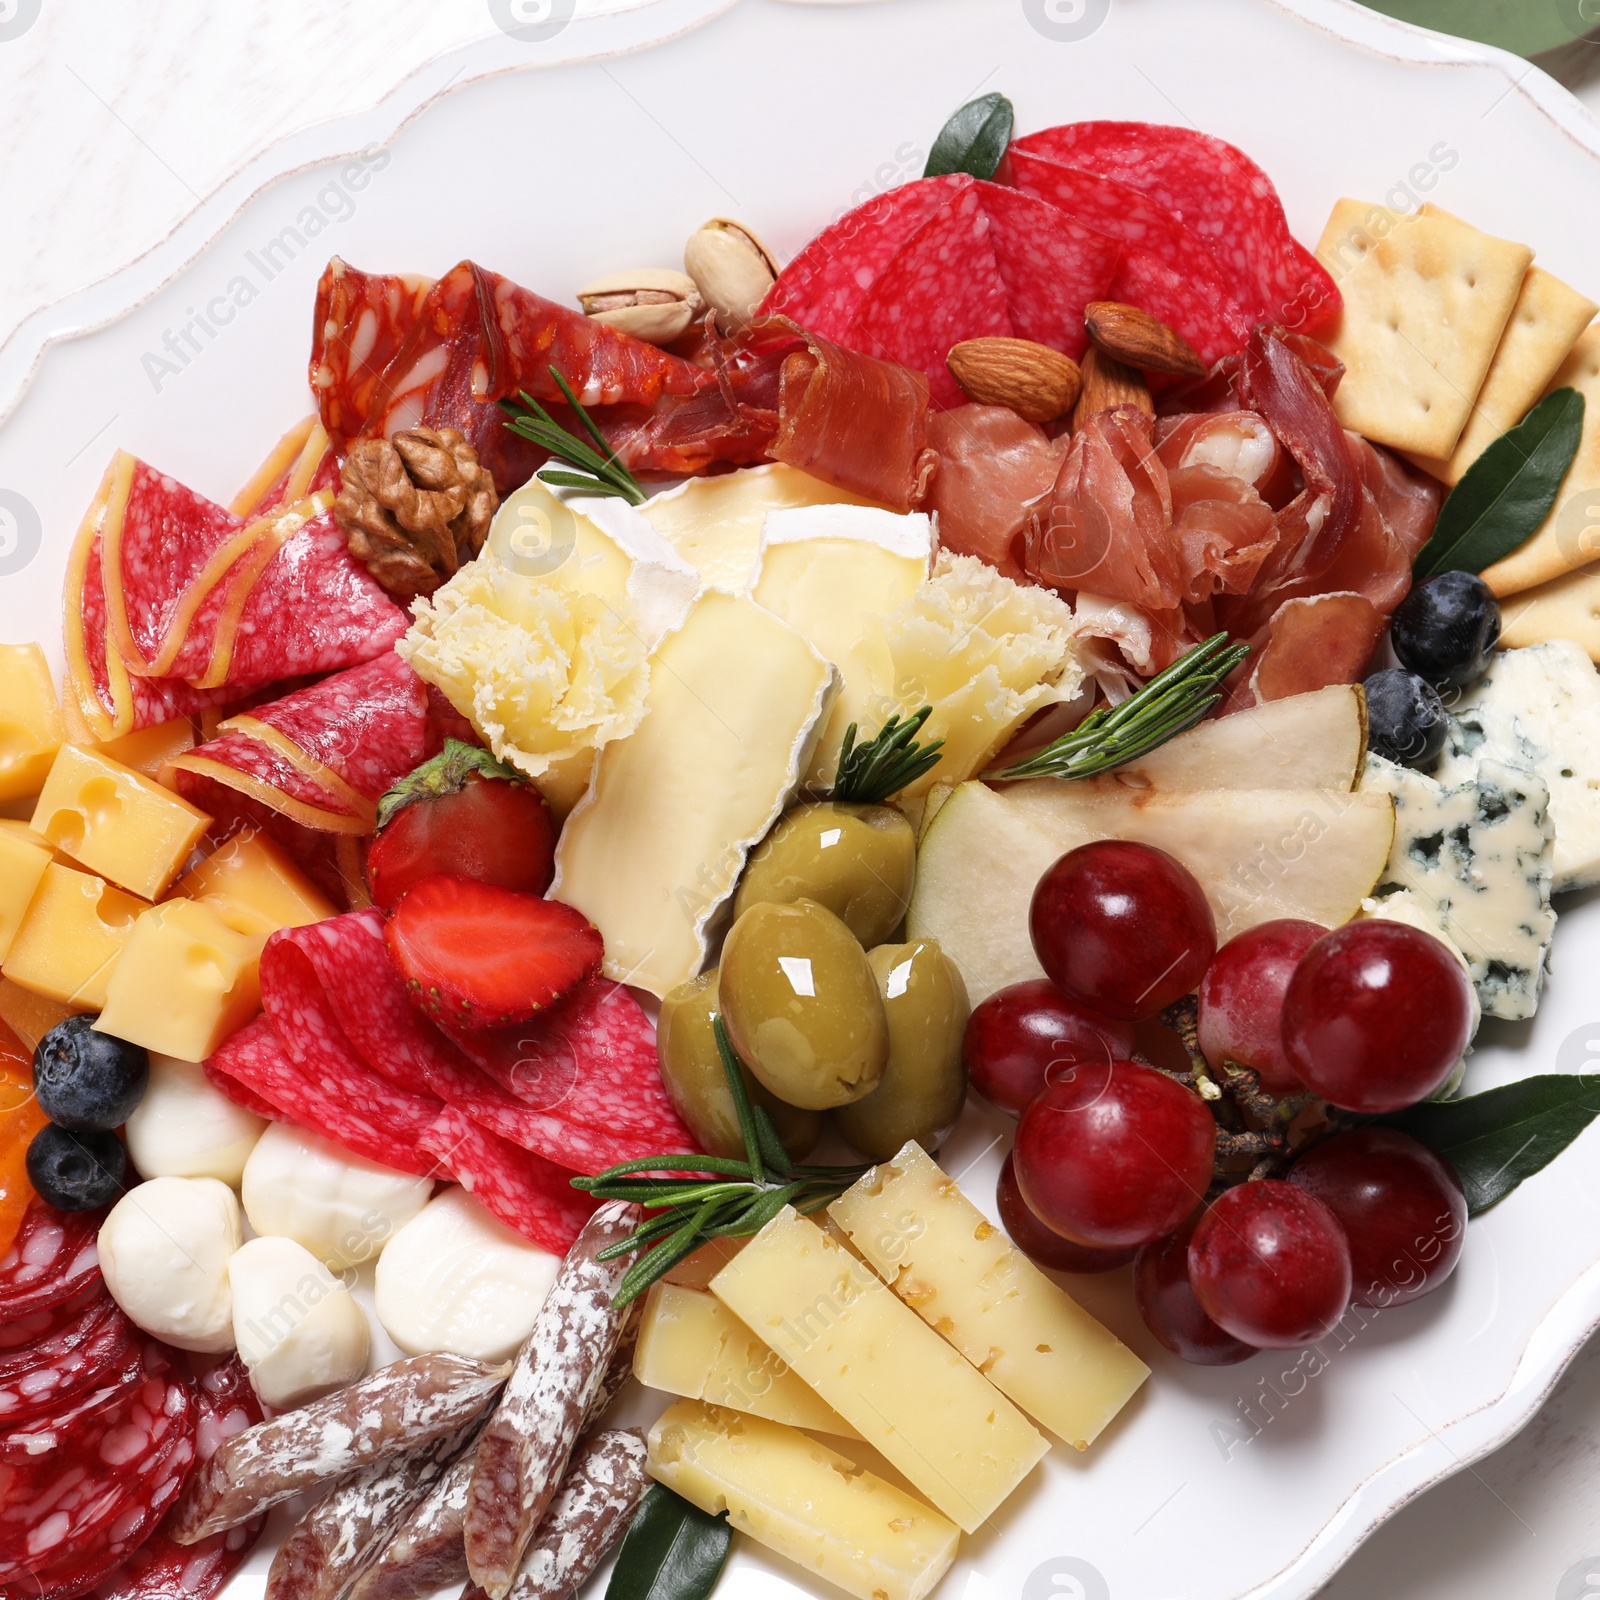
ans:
(601, 471)
(871, 772)
(699, 1198)
(1170, 703)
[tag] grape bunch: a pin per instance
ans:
(1254, 1207)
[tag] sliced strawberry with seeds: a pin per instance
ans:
(477, 956)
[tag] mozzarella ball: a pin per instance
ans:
(164, 1251)
(185, 1128)
(456, 1279)
(299, 1331)
(342, 1209)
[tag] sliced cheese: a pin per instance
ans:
(806, 1502)
(72, 937)
(254, 887)
(31, 728)
(952, 1435)
(22, 864)
(735, 701)
(963, 1277)
(690, 1344)
(833, 573)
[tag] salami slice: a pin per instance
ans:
(361, 320)
(426, 1552)
(399, 1409)
(524, 1190)
(52, 1259)
(523, 1452)
(98, 1349)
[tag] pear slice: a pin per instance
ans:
(1258, 853)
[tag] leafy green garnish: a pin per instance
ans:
(974, 139)
(601, 471)
(445, 773)
(1172, 702)
(1496, 1139)
(869, 773)
(1505, 495)
(672, 1551)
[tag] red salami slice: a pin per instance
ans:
(523, 1190)
(52, 1259)
(98, 1349)
(361, 320)
(271, 772)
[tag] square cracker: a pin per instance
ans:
(1567, 607)
(1426, 299)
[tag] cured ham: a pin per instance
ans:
(1309, 644)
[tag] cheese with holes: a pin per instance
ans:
(808, 1503)
(881, 1367)
(70, 940)
(185, 981)
(964, 1278)
(833, 573)
(22, 864)
(736, 698)
(116, 822)
(254, 887)
(31, 729)
(690, 1344)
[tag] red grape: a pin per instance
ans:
(1017, 1034)
(1170, 1310)
(1400, 1205)
(1113, 1154)
(1241, 999)
(1376, 1016)
(1270, 1264)
(1043, 1244)
(1124, 929)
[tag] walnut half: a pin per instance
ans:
(415, 507)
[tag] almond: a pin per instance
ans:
(1108, 383)
(1038, 383)
(1140, 340)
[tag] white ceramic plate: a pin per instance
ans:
(1256, 1480)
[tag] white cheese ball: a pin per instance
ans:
(164, 1251)
(342, 1209)
(299, 1331)
(456, 1279)
(186, 1128)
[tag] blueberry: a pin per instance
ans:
(76, 1171)
(1405, 717)
(88, 1081)
(1446, 629)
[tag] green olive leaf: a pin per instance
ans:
(1496, 1139)
(974, 139)
(672, 1551)
(1505, 495)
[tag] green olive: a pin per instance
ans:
(858, 861)
(925, 1083)
(801, 1005)
(691, 1070)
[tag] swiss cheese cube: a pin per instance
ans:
(965, 1279)
(22, 864)
(116, 821)
(691, 1344)
(934, 1416)
(254, 887)
(31, 729)
(186, 980)
(70, 940)
(808, 1503)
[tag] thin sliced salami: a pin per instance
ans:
(52, 1259)
(98, 1349)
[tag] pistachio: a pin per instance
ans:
(733, 269)
(655, 304)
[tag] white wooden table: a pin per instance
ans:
(116, 121)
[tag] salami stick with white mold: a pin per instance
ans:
(525, 1448)
(427, 1552)
(591, 1511)
(399, 1409)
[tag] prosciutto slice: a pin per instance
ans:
(1309, 643)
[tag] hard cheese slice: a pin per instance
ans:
(690, 1344)
(31, 728)
(963, 1277)
(803, 1500)
(936, 1418)
(734, 704)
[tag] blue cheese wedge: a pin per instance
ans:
(1539, 708)
(1477, 857)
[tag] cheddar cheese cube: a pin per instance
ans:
(31, 729)
(186, 981)
(22, 865)
(70, 941)
(28, 1014)
(116, 822)
(254, 887)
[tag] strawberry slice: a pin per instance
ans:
(477, 956)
